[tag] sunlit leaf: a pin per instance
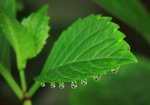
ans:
(90, 46)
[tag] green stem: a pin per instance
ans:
(33, 89)
(23, 80)
(11, 82)
(27, 102)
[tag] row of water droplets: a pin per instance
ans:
(74, 84)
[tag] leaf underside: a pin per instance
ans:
(27, 38)
(92, 45)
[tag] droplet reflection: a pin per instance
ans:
(84, 82)
(61, 85)
(73, 85)
(97, 77)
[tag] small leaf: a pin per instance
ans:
(131, 12)
(90, 46)
(28, 38)
(37, 24)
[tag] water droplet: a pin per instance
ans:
(61, 85)
(97, 77)
(42, 84)
(84, 82)
(115, 71)
(73, 85)
(53, 85)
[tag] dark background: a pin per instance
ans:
(63, 13)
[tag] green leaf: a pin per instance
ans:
(37, 24)
(28, 38)
(129, 87)
(9, 6)
(4, 52)
(132, 12)
(90, 46)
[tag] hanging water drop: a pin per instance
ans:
(84, 82)
(53, 85)
(42, 84)
(61, 85)
(97, 77)
(73, 85)
(115, 71)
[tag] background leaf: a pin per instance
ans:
(28, 39)
(90, 46)
(128, 87)
(132, 12)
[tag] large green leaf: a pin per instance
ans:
(28, 38)
(129, 87)
(90, 46)
(132, 12)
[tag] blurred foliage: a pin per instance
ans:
(132, 12)
(20, 6)
(10, 7)
(4, 51)
(129, 87)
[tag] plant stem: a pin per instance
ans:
(23, 80)
(27, 102)
(11, 82)
(33, 89)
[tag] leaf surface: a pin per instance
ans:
(90, 46)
